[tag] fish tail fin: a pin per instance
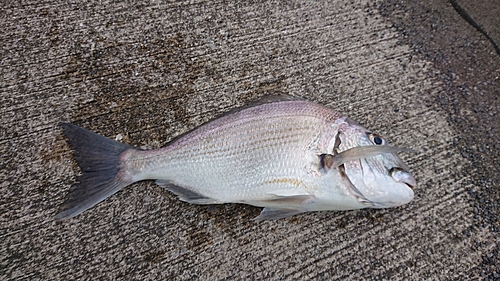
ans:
(99, 161)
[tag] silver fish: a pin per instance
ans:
(285, 154)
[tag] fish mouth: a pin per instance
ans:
(403, 176)
(409, 185)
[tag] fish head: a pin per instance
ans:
(381, 180)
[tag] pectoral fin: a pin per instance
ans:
(293, 201)
(288, 193)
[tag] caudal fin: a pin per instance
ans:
(99, 161)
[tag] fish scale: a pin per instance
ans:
(230, 168)
(271, 154)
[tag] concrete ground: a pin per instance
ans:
(426, 76)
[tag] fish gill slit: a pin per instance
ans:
(350, 186)
(337, 143)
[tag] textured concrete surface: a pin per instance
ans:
(482, 15)
(415, 72)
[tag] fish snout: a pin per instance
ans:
(400, 175)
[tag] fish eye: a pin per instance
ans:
(376, 139)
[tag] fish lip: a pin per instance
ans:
(401, 175)
(409, 185)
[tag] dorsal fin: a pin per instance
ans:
(261, 101)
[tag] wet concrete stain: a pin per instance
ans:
(123, 101)
(463, 63)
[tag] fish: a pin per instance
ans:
(285, 154)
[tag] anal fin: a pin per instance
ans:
(186, 195)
